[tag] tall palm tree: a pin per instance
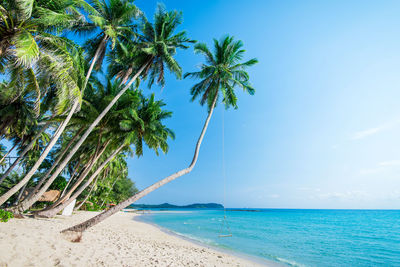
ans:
(141, 125)
(113, 20)
(96, 98)
(158, 48)
(69, 80)
(221, 73)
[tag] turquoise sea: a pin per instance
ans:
(295, 237)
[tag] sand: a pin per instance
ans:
(117, 241)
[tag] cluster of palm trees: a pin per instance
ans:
(68, 114)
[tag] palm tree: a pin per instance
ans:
(222, 72)
(33, 140)
(96, 98)
(69, 81)
(158, 47)
(135, 126)
(113, 21)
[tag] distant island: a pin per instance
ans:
(170, 206)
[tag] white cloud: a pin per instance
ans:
(356, 194)
(381, 166)
(371, 171)
(368, 132)
(390, 163)
(375, 130)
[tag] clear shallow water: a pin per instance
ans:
(296, 237)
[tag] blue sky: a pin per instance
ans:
(322, 130)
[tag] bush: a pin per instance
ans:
(5, 215)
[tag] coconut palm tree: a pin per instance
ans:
(136, 126)
(158, 46)
(221, 74)
(96, 98)
(113, 20)
(69, 82)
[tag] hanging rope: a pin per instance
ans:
(224, 221)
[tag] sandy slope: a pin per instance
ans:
(118, 241)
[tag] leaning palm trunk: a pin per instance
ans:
(72, 177)
(26, 204)
(54, 211)
(81, 177)
(29, 175)
(58, 159)
(8, 153)
(56, 136)
(104, 215)
(95, 122)
(26, 149)
(20, 194)
(88, 195)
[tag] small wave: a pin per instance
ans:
(290, 262)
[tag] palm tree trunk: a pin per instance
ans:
(26, 204)
(29, 175)
(104, 215)
(95, 122)
(104, 200)
(71, 177)
(27, 148)
(43, 179)
(54, 211)
(88, 195)
(8, 153)
(81, 177)
(58, 159)
(20, 194)
(53, 141)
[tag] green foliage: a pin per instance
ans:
(92, 207)
(46, 74)
(222, 72)
(5, 215)
(123, 189)
(58, 184)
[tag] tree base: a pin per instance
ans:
(72, 236)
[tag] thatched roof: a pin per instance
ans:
(51, 195)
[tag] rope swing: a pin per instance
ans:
(225, 231)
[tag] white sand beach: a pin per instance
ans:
(118, 241)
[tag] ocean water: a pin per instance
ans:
(295, 237)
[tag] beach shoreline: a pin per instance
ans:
(234, 253)
(120, 240)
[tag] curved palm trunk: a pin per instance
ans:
(27, 148)
(30, 198)
(56, 136)
(20, 194)
(71, 178)
(29, 175)
(26, 204)
(58, 159)
(81, 178)
(88, 195)
(94, 124)
(104, 215)
(8, 153)
(54, 211)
